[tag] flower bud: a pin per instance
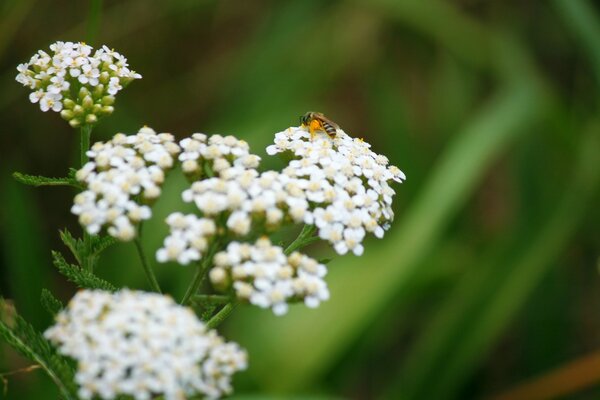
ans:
(87, 102)
(98, 91)
(78, 110)
(91, 119)
(67, 114)
(68, 104)
(104, 77)
(83, 92)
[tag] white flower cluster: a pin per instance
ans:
(263, 275)
(247, 196)
(218, 153)
(345, 182)
(118, 170)
(235, 190)
(143, 345)
(188, 240)
(72, 81)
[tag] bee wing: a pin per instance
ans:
(324, 119)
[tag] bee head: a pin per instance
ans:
(307, 117)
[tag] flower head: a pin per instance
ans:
(122, 177)
(142, 345)
(346, 183)
(263, 275)
(73, 81)
(188, 240)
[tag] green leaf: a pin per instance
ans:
(50, 303)
(75, 245)
(81, 251)
(79, 276)
(22, 337)
(38, 180)
(101, 243)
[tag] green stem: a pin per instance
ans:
(93, 20)
(147, 269)
(86, 132)
(202, 299)
(305, 237)
(200, 274)
(221, 316)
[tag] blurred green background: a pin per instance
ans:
(489, 275)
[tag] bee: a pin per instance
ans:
(316, 121)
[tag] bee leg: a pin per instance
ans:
(313, 127)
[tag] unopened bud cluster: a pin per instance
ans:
(73, 81)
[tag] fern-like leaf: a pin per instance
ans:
(79, 276)
(38, 180)
(22, 337)
(50, 303)
(101, 243)
(96, 245)
(75, 245)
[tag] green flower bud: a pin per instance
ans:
(67, 114)
(87, 102)
(104, 77)
(98, 91)
(91, 119)
(68, 103)
(108, 100)
(78, 110)
(83, 92)
(75, 122)
(108, 109)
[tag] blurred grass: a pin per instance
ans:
(489, 108)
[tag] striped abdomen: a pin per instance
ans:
(329, 128)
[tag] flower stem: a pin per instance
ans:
(93, 20)
(221, 316)
(147, 269)
(200, 274)
(86, 132)
(210, 299)
(305, 237)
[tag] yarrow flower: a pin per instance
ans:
(263, 275)
(346, 183)
(73, 81)
(123, 176)
(143, 345)
(215, 154)
(339, 185)
(190, 237)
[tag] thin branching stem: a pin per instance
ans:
(210, 299)
(86, 132)
(201, 272)
(147, 268)
(221, 316)
(305, 237)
